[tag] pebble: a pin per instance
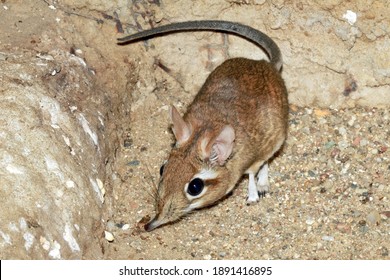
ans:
(127, 143)
(133, 163)
(310, 221)
(384, 252)
(363, 229)
(137, 245)
(361, 191)
(386, 214)
(306, 130)
(373, 218)
(343, 144)
(374, 151)
(356, 213)
(329, 144)
(322, 112)
(354, 185)
(108, 236)
(125, 227)
(328, 238)
(344, 228)
(363, 142)
(101, 188)
(352, 121)
(342, 131)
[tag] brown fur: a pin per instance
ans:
(246, 95)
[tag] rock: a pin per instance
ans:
(384, 252)
(133, 163)
(386, 214)
(328, 238)
(343, 227)
(373, 218)
(363, 229)
(363, 142)
(352, 121)
(310, 221)
(343, 144)
(108, 236)
(322, 112)
(125, 227)
(43, 145)
(354, 185)
(342, 131)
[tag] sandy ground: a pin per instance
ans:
(329, 194)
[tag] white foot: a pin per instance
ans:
(253, 195)
(262, 180)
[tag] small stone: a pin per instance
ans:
(362, 223)
(45, 243)
(133, 163)
(101, 187)
(328, 238)
(335, 152)
(363, 142)
(354, 185)
(310, 221)
(329, 144)
(386, 214)
(222, 254)
(309, 111)
(125, 227)
(356, 213)
(343, 144)
(382, 149)
(207, 257)
(136, 244)
(127, 143)
(108, 236)
(374, 151)
(363, 229)
(143, 149)
(342, 131)
(373, 218)
(70, 184)
(344, 228)
(352, 121)
(306, 130)
(356, 141)
(384, 252)
(361, 191)
(321, 112)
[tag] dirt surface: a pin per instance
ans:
(330, 192)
